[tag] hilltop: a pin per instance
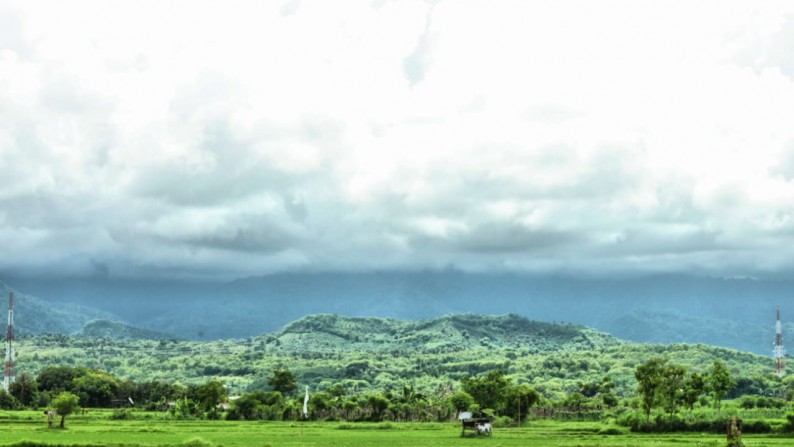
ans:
(119, 330)
(333, 333)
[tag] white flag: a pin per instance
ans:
(306, 403)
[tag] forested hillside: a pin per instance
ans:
(332, 333)
(380, 354)
(117, 329)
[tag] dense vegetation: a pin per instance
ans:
(370, 369)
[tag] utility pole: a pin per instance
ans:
(9, 375)
(779, 351)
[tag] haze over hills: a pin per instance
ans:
(736, 313)
(33, 315)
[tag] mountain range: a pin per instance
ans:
(734, 313)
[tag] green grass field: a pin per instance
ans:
(30, 429)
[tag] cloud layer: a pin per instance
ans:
(228, 140)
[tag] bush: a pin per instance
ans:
(503, 421)
(7, 401)
(675, 423)
(121, 414)
(788, 427)
(611, 430)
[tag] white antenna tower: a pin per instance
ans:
(779, 351)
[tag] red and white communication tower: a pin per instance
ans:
(9, 375)
(779, 351)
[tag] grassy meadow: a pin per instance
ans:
(28, 428)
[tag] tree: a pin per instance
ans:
(460, 401)
(249, 405)
(210, 395)
(95, 388)
(57, 378)
(519, 399)
(693, 389)
(283, 381)
(7, 401)
(379, 404)
(65, 404)
(671, 387)
(719, 382)
(649, 377)
(490, 390)
(25, 390)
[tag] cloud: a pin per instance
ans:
(200, 140)
(416, 64)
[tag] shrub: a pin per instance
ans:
(121, 414)
(503, 421)
(611, 430)
(788, 427)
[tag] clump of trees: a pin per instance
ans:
(670, 386)
(493, 392)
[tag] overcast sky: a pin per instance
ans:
(229, 139)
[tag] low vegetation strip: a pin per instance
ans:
(29, 429)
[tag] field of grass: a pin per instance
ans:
(152, 429)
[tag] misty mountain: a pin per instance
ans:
(34, 316)
(736, 313)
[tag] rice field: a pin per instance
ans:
(155, 429)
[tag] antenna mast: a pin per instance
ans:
(9, 375)
(779, 351)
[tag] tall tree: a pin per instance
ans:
(719, 382)
(519, 400)
(283, 381)
(25, 390)
(693, 389)
(649, 377)
(210, 395)
(671, 387)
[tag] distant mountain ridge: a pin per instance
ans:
(728, 312)
(33, 316)
(334, 333)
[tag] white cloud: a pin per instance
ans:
(200, 138)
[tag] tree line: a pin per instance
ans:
(662, 387)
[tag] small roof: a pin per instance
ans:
(464, 415)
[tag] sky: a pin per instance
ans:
(190, 139)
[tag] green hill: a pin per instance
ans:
(117, 329)
(333, 333)
(366, 354)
